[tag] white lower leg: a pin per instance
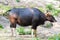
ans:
(13, 31)
(35, 33)
(32, 33)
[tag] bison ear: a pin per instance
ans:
(48, 13)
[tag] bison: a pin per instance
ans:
(28, 16)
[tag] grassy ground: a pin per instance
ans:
(18, 38)
(5, 35)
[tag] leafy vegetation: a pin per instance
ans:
(36, 38)
(20, 30)
(49, 7)
(23, 31)
(48, 25)
(54, 11)
(1, 27)
(41, 9)
(17, 0)
(3, 7)
(55, 37)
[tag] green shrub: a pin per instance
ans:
(1, 27)
(54, 11)
(41, 9)
(23, 31)
(55, 37)
(27, 32)
(36, 38)
(49, 7)
(5, 7)
(17, 0)
(48, 24)
(20, 30)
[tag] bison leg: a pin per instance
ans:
(33, 33)
(13, 31)
(34, 27)
(13, 25)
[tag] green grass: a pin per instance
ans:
(22, 31)
(36, 38)
(54, 11)
(3, 7)
(55, 37)
(1, 27)
(50, 7)
(41, 9)
(48, 25)
(17, 0)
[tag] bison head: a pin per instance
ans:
(50, 17)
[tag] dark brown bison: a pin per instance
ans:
(28, 16)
